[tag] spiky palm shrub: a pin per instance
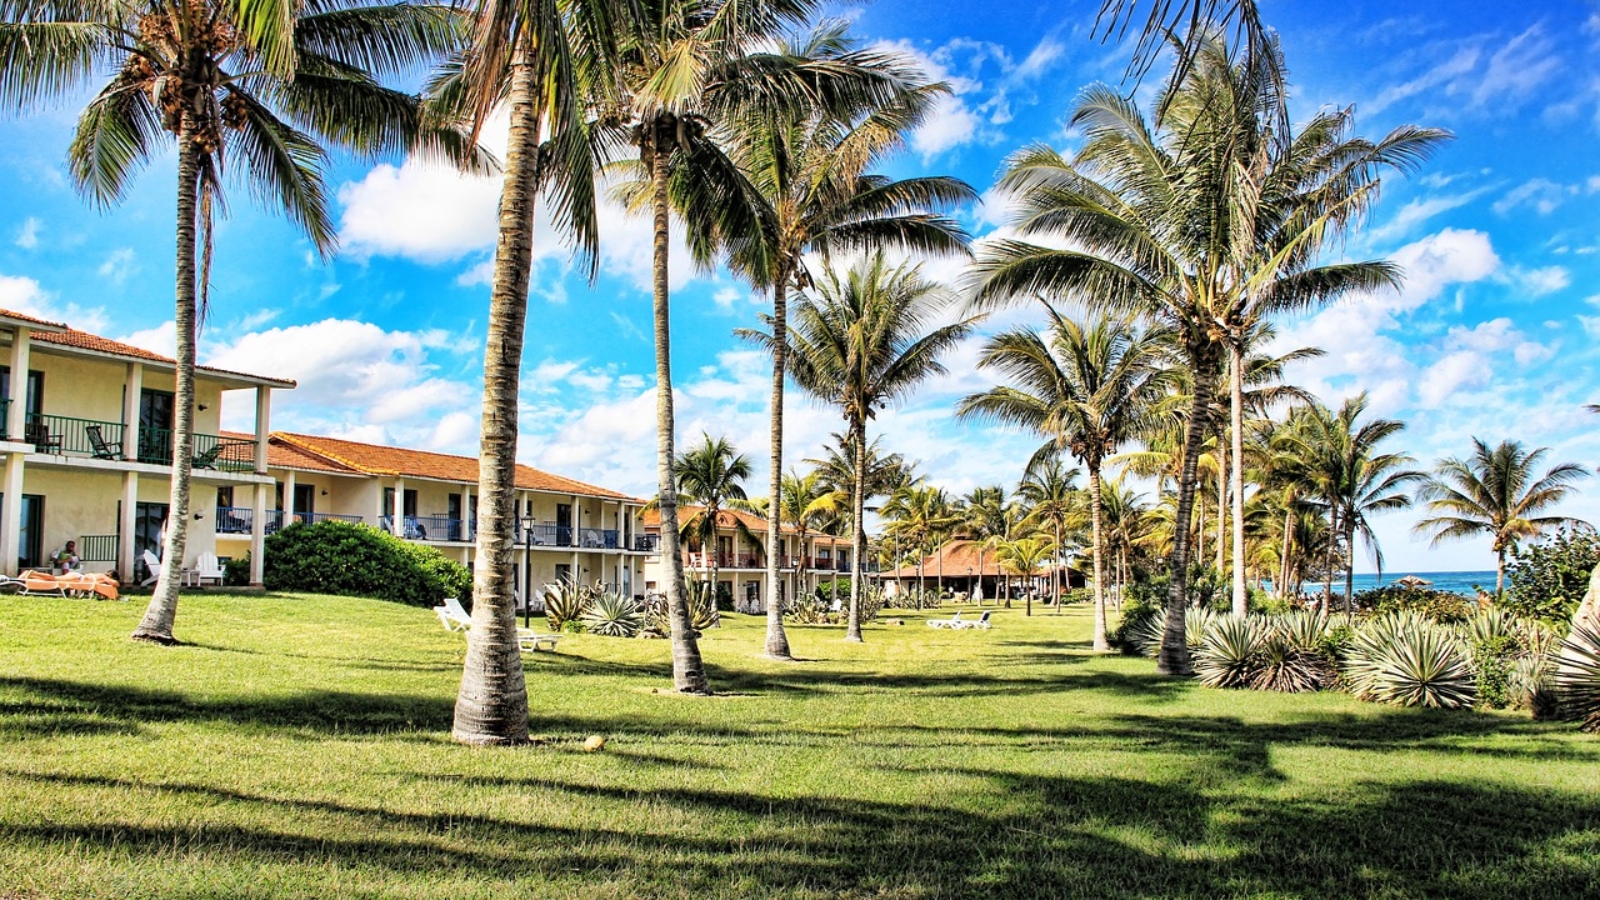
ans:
(1411, 661)
(613, 615)
(1293, 657)
(1146, 635)
(1578, 675)
(1532, 686)
(1230, 649)
(564, 602)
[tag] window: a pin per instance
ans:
(155, 426)
(35, 398)
(30, 540)
(563, 572)
(305, 500)
(149, 528)
(224, 498)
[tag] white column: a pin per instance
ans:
(469, 522)
(11, 515)
(258, 534)
(16, 416)
(288, 496)
(130, 420)
(127, 519)
(263, 426)
(397, 511)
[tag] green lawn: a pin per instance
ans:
(298, 747)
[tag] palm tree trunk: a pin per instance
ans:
(980, 574)
(1500, 574)
(162, 613)
(858, 532)
(492, 703)
(1288, 542)
(1101, 645)
(1173, 658)
(713, 559)
(1350, 575)
(1199, 528)
(688, 673)
(1236, 475)
(1222, 505)
(1055, 569)
(1333, 551)
(777, 640)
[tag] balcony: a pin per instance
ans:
(547, 534)
(98, 439)
(726, 561)
(647, 543)
(240, 519)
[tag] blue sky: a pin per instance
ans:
(1493, 334)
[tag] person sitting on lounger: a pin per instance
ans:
(65, 561)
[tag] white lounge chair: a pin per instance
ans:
(153, 563)
(206, 568)
(981, 622)
(954, 622)
(452, 616)
(531, 640)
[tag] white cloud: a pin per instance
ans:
(28, 234)
(120, 265)
(1542, 194)
(1418, 211)
(22, 294)
(162, 339)
(1540, 281)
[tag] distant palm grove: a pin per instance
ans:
(1180, 476)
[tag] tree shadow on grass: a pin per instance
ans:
(1027, 836)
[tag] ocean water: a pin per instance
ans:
(1454, 582)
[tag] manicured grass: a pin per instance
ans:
(298, 747)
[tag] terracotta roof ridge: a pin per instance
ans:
(300, 442)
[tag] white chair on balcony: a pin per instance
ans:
(206, 568)
(153, 563)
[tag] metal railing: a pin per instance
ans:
(313, 518)
(211, 451)
(725, 560)
(97, 548)
(5, 416)
(239, 519)
(64, 434)
(647, 543)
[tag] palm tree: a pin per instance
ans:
(1025, 556)
(921, 516)
(983, 519)
(1087, 390)
(712, 476)
(519, 49)
(813, 195)
(807, 505)
(861, 343)
(1150, 218)
(244, 87)
(690, 70)
(1052, 494)
(1496, 492)
(1354, 479)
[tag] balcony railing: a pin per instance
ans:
(82, 437)
(5, 416)
(647, 543)
(313, 518)
(211, 451)
(725, 560)
(97, 548)
(239, 519)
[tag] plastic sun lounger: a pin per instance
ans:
(954, 622)
(529, 640)
(981, 622)
(452, 615)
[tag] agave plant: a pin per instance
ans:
(1228, 655)
(613, 615)
(1578, 675)
(565, 601)
(1410, 660)
(1293, 657)
(1532, 685)
(1147, 635)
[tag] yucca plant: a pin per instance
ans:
(1147, 636)
(1411, 661)
(613, 615)
(1532, 686)
(1578, 675)
(564, 602)
(1293, 657)
(1228, 655)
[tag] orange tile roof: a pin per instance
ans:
(960, 557)
(24, 318)
(281, 455)
(83, 340)
(375, 459)
(727, 517)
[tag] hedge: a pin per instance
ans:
(334, 557)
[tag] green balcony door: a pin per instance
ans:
(155, 427)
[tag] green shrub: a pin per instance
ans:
(1546, 580)
(613, 615)
(1195, 623)
(1440, 606)
(343, 558)
(236, 572)
(1137, 611)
